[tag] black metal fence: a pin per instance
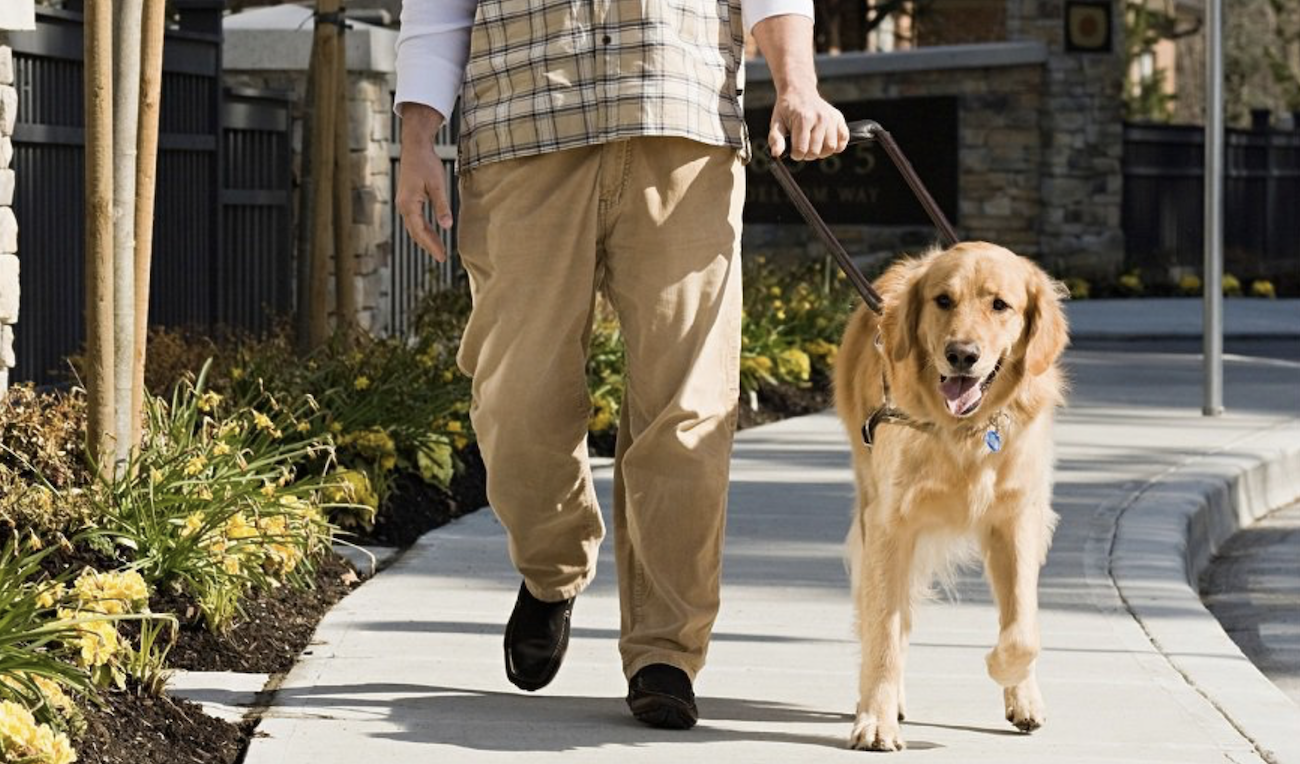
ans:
(223, 214)
(1164, 167)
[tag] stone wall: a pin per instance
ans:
(8, 223)
(1040, 142)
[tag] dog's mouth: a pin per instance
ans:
(962, 395)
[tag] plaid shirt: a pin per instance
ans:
(546, 75)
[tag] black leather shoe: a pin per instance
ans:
(537, 636)
(661, 696)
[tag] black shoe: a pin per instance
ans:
(537, 636)
(661, 696)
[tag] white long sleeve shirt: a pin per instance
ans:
(434, 43)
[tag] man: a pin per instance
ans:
(601, 148)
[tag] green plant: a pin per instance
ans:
(36, 655)
(216, 502)
(1231, 285)
(1079, 288)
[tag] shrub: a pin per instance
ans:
(1079, 288)
(1130, 284)
(218, 501)
(1231, 285)
(1263, 288)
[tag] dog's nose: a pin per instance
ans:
(962, 356)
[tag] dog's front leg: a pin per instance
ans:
(1013, 553)
(884, 604)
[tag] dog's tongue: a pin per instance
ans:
(960, 393)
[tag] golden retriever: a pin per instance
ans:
(955, 386)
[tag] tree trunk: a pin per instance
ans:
(99, 231)
(126, 124)
(345, 262)
(151, 50)
(325, 101)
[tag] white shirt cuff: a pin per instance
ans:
(754, 11)
(432, 48)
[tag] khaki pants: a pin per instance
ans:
(655, 224)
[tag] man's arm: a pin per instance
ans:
(432, 48)
(814, 127)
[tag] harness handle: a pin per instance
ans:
(859, 132)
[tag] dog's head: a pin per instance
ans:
(965, 325)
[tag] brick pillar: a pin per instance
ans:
(1082, 138)
(8, 223)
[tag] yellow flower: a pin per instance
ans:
(794, 365)
(98, 640)
(262, 421)
(304, 427)
(51, 595)
(448, 375)
(237, 528)
(110, 593)
(774, 291)
(221, 449)
(1263, 288)
(193, 524)
(336, 428)
(236, 373)
(780, 315)
(453, 426)
(460, 441)
(196, 465)
(362, 383)
(268, 490)
(208, 401)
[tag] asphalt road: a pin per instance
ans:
(1253, 588)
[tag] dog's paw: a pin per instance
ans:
(1024, 706)
(873, 733)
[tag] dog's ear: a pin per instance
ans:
(1045, 324)
(903, 304)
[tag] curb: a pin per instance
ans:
(1165, 536)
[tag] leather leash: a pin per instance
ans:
(860, 132)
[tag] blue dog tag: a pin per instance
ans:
(993, 440)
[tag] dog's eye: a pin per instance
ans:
(999, 305)
(943, 301)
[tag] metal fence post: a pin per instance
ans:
(1213, 281)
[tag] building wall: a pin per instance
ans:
(8, 223)
(1040, 141)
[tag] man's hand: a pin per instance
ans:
(813, 127)
(420, 179)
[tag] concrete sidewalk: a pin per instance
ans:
(409, 667)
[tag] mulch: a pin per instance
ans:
(273, 631)
(130, 729)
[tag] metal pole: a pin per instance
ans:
(1213, 294)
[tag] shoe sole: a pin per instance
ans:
(664, 712)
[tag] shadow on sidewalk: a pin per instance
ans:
(476, 719)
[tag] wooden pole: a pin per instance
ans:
(345, 262)
(99, 230)
(324, 97)
(126, 132)
(151, 50)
